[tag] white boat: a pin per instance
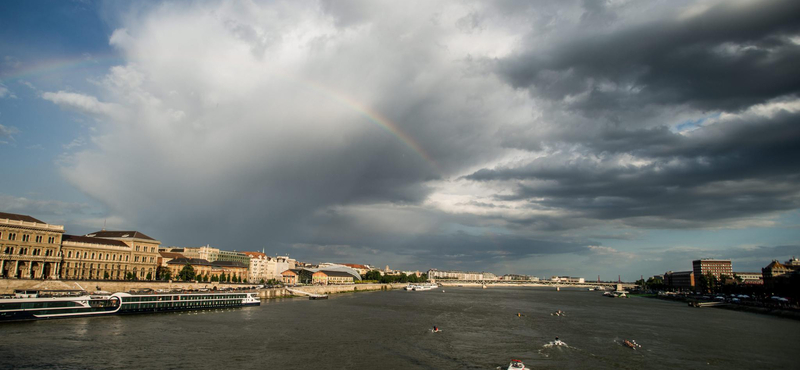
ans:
(421, 287)
(517, 365)
(35, 307)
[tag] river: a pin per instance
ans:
(391, 330)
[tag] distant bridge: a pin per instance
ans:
(541, 282)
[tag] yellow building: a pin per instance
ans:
(29, 248)
(144, 251)
(323, 277)
(95, 258)
(202, 267)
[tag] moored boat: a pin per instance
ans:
(36, 308)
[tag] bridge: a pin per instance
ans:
(587, 284)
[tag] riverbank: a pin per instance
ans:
(503, 284)
(269, 293)
(790, 314)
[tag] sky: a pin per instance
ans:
(584, 138)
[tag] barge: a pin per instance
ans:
(37, 308)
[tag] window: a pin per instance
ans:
(26, 237)
(136, 259)
(39, 238)
(114, 257)
(126, 258)
(69, 254)
(51, 239)
(92, 255)
(85, 255)
(137, 248)
(12, 236)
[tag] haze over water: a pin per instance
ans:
(391, 330)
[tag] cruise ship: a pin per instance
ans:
(37, 308)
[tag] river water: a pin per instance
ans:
(391, 330)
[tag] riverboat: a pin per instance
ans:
(422, 287)
(36, 308)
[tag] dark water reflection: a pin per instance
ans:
(390, 330)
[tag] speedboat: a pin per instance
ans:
(631, 344)
(517, 365)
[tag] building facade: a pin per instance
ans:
(323, 277)
(461, 275)
(29, 248)
(713, 266)
(679, 280)
(96, 259)
(750, 278)
(143, 251)
(260, 266)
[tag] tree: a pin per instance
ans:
(186, 273)
(262, 282)
(707, 283)
(222, 277)
(130, 276)
(214, 278)
(372, 275)
(105, 275)
(149, 276)
(166, 274)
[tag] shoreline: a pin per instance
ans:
(787, 314)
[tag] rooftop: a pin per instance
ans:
(119, 234)
(91, 240)
(16, 217)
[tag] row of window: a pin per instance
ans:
(27, 238)
(145, 248)
(22, 251)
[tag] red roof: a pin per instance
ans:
(355, 266)
(255, 254)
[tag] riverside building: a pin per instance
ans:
(461, 275)
(712, 266)
(679, 280)
(142, 258)
(32, 249)
(29, 248)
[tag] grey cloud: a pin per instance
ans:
(673, 61)
(41, 208)
(721, 172)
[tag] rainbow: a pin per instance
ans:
(372, 115)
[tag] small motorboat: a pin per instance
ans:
(631, 344)
(558, 313)
(517, 365)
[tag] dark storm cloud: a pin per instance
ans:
(724, 171)
(461, 250)
(729, 57)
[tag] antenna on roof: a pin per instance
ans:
(104, 224)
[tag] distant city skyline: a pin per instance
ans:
(570, 138)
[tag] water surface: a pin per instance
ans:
(391, 330)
